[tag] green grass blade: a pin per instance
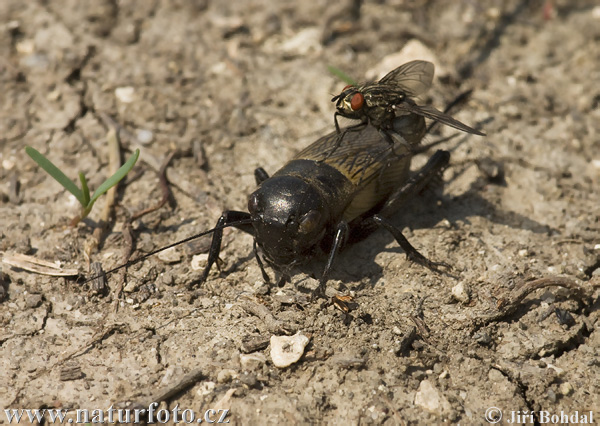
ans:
(84, 188)
(54, 171)
(114, 179)
(341, 75)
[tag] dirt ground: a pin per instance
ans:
(229, 86)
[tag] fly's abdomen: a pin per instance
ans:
(411, 127)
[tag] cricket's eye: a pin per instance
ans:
(357, 101)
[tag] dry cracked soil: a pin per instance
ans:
(220, 88)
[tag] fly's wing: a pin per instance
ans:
(434, 114)
(413, 78)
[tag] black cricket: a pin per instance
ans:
(319, 202)
(378, 103)
(329, 196)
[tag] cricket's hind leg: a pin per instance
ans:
(429, 173)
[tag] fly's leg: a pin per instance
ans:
(226, 218)
(260, 175)
(337, 125)
(342, 133)
(411, 253)
(341, 235)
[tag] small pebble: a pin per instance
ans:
(286, 350)
(461, 292)
(431, 399)
(510, 111)
(252, 361)
(248, 379)
(8, 164)
(170, 255)
(226, 376)
(199, 261)
(565, 388)
(131, 286)
(303, 42)
(125, 94)
(206, 388)
(33, 300)
(25, 47)
(559, 371)
(144, 136)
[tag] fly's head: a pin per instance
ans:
(289, 217)
(350, 102)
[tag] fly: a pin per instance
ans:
(379, 103)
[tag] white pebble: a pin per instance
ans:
(25, 47)
(461, 292)
(565, 388)
(286, 350)
(431, 399)
(199, 261)
(125, 94)
(8, 164)
(144, 136)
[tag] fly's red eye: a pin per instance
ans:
(347, 87)
(357, 101)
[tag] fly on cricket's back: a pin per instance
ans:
(378, 103)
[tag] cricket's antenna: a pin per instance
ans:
(185, 240)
